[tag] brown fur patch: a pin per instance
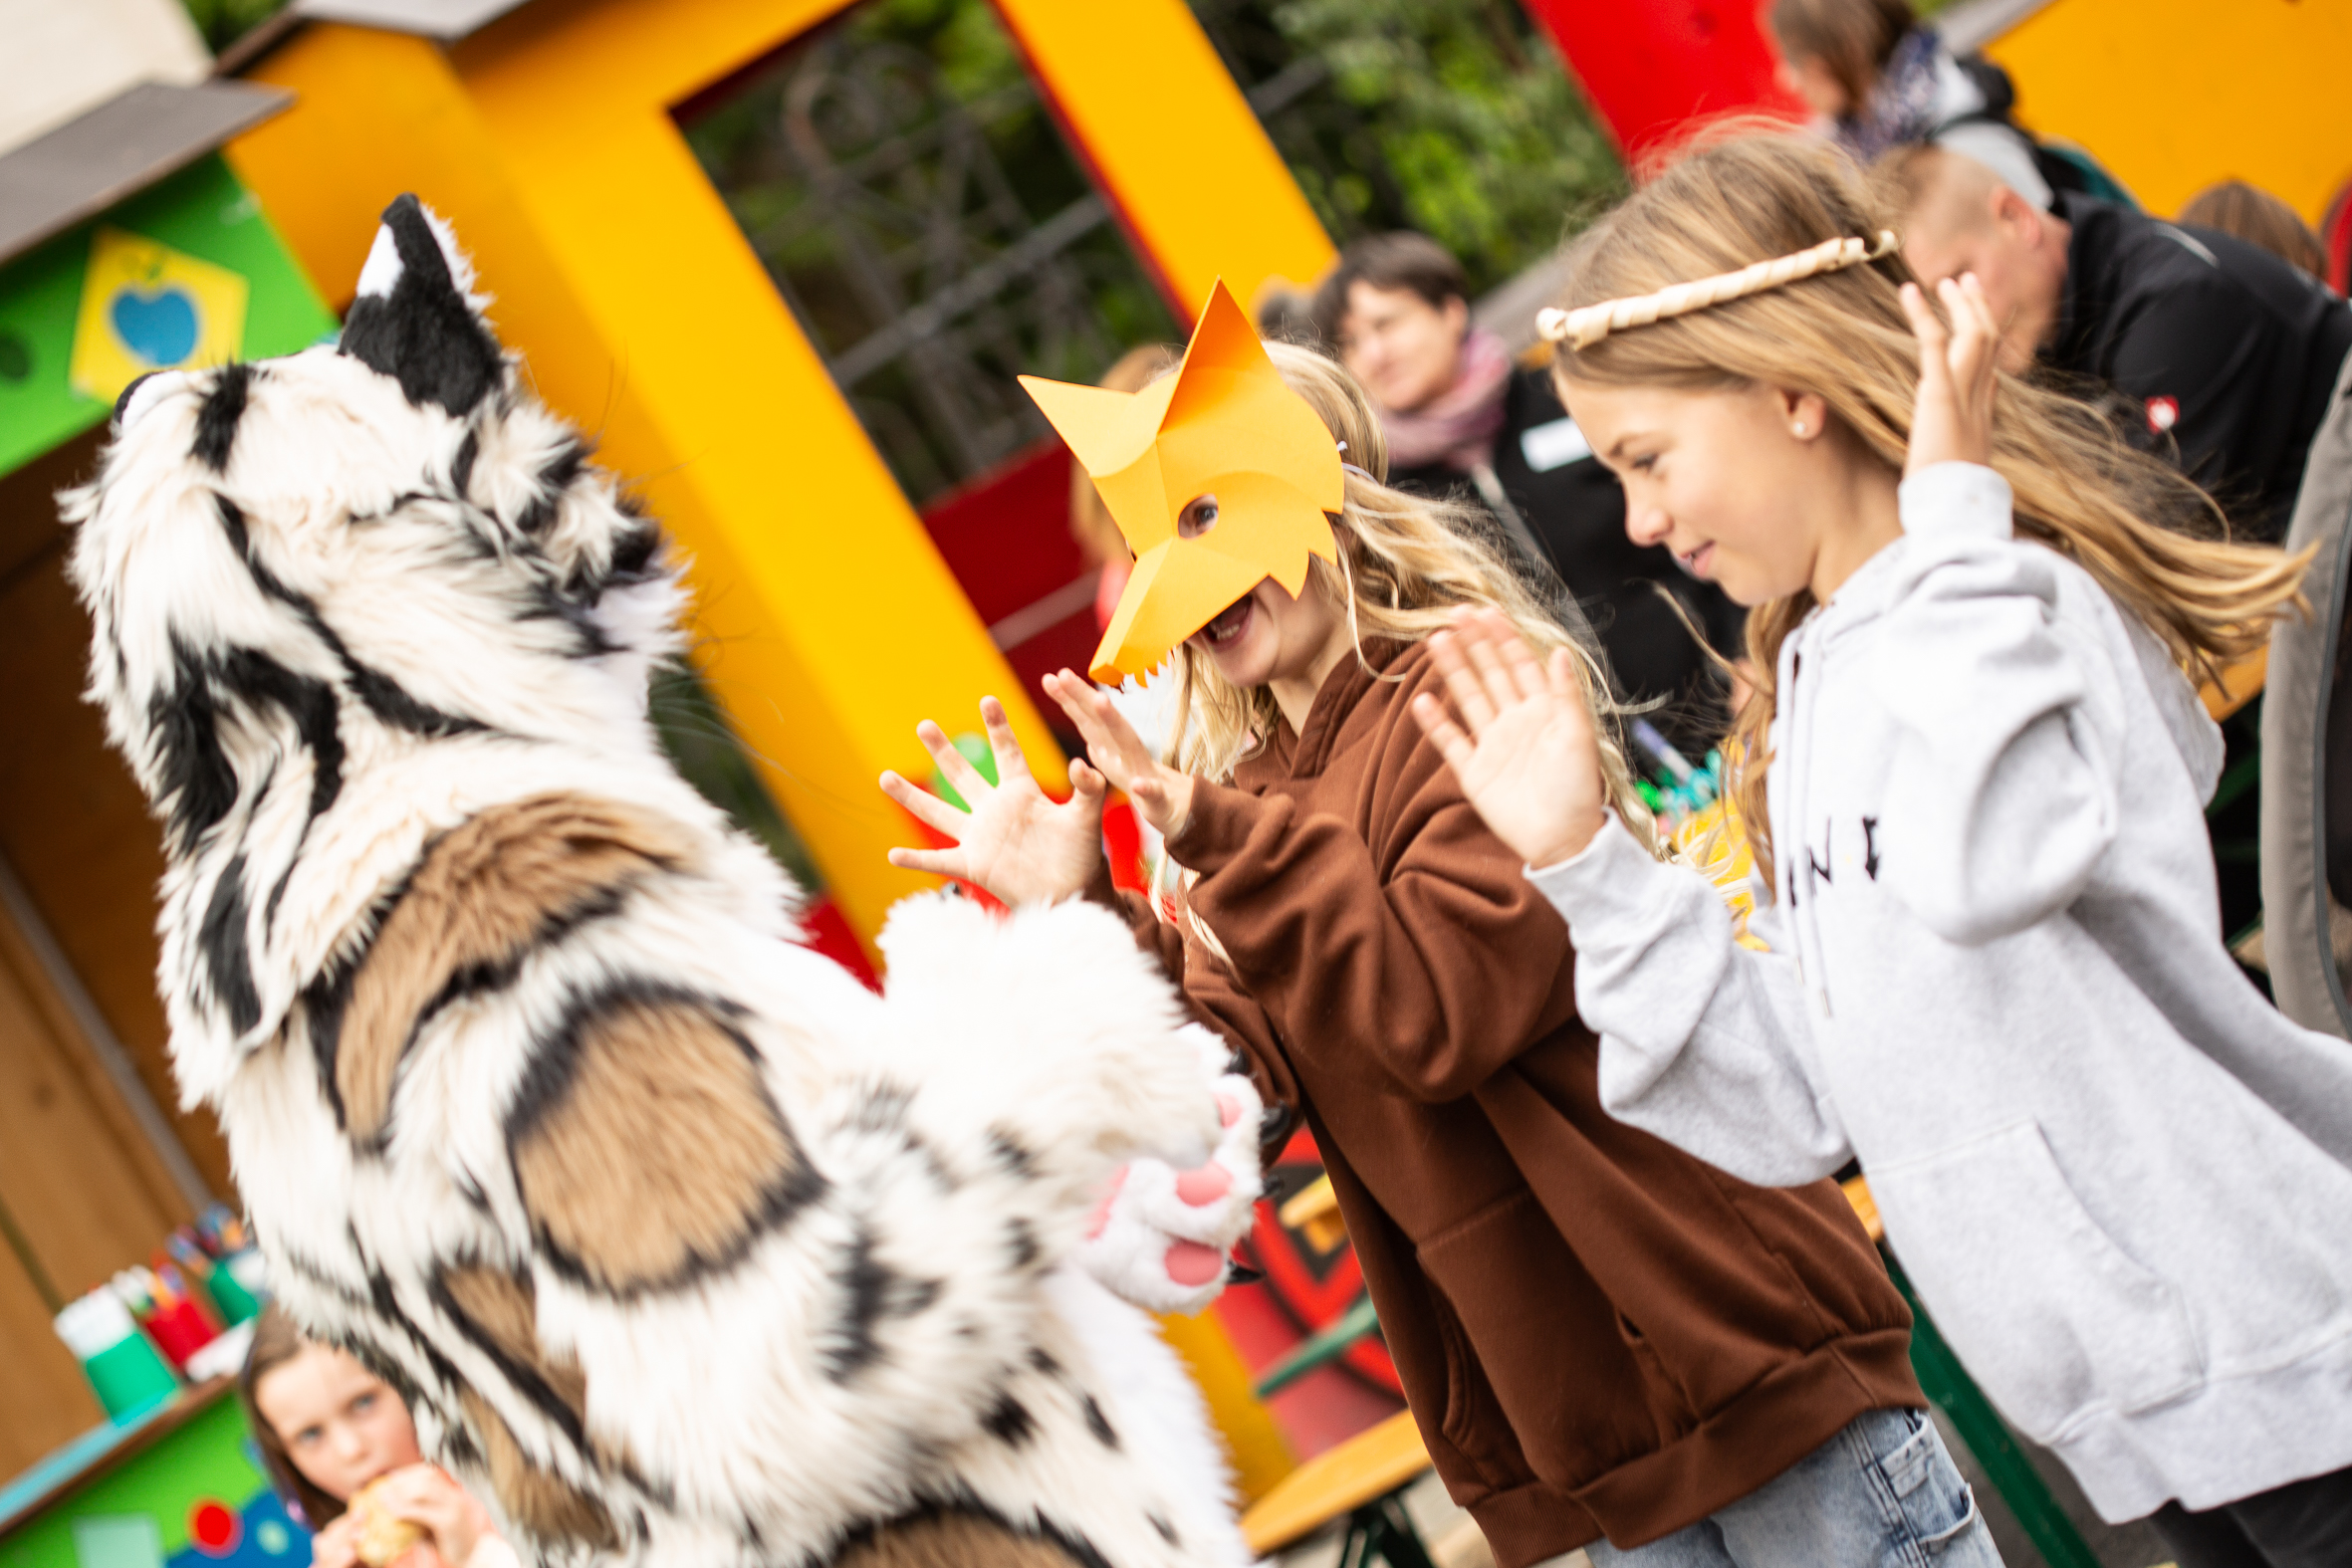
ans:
(659, 1149)
(952, 1540)
(538, 1500)
(483, 895)
(504, 1313)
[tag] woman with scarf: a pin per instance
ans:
(1459, 417)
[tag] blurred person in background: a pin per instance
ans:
(2260, 219)
(2216, 354)
(1878, 79)
(1459, 414)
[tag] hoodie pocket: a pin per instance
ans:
(2043, 1309)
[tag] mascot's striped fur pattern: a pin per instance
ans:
(683, 1247)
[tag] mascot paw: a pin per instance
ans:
(1159, 1235)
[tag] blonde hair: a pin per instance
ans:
(2125, 518)
(1406, 564)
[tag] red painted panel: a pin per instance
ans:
(1653, 68)
(828, 933)
(1006, 534)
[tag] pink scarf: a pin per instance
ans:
(1457, 427)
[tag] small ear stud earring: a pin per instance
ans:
(1798, 431)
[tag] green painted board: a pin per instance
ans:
(202, 213)
(205, 1458)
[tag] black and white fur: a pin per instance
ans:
(347, 604)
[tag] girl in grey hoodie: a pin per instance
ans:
(2117, 1177)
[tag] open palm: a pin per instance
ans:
(1525, 752)
(1016, 842)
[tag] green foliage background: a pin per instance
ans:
(1466, 125)
(223, 22)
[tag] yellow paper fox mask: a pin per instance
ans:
(1225, 425)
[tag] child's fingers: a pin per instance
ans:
(1922, 316)
(1109, 740)
(1086, 783)
(1569, 689)
(1980, 305)
(1076, 700)
(1560, 672)
(1486, 652)
(938, 862)
(1967, 351)
(1154, 800)
(1111, 726)
(1063, 687)
(1442, 733)
(953, 765)
(1933, 340)
(1525, 669)
(1012, 762)
(1982, 338)
(926, 808)
(1462, 682)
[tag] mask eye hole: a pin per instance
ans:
(1197, 517)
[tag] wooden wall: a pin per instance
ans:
(84, 1191)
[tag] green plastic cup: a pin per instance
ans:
(130, 1376)
(236, 1303)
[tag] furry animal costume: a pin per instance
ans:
(680, 1245)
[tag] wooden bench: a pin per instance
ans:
(1361, 1482)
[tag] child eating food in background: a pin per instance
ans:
(342, 1452)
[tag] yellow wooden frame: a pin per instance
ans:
(828, 624)
(2173, 96)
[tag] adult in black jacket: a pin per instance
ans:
(2222, 357)
(1462, 419)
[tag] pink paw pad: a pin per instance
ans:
(1229, 1110)
(1191, 1265)
(1204, 1185)
(1110, 1195)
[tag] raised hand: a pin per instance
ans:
(1952, 416)
(1162, 795)
(1017, 842)
(1530, 762)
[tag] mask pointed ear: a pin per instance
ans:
(416, 318)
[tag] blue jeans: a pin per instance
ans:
(1882, 1493)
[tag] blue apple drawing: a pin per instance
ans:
(158, 326)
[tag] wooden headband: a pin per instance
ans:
(1588, 325)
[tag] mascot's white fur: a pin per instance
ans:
(682, 1247)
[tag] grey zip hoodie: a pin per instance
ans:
(2116, 1175)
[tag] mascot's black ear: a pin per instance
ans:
(413, 318)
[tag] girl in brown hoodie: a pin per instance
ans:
(1599, 1335)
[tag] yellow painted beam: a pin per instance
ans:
(2176, 94)
(1174, 145)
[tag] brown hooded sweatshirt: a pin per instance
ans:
(1597, 1333)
